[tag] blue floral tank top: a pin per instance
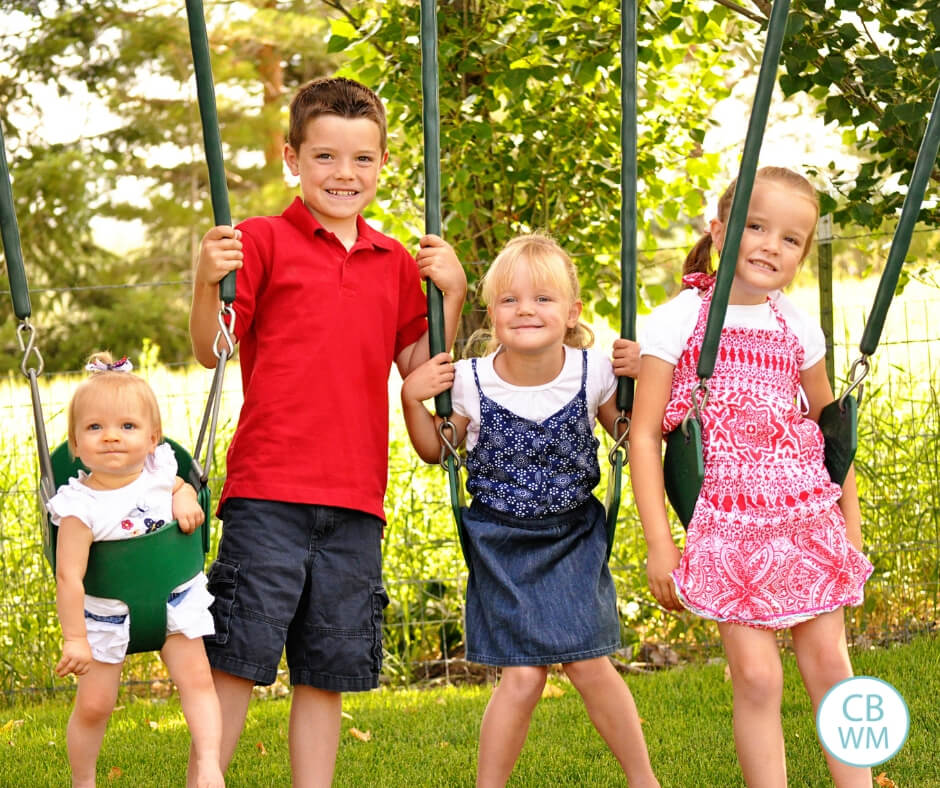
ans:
(532, 469)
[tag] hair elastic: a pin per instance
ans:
(123, 364)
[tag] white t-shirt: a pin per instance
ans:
(535, 403)
(667, 328)
(123, 513)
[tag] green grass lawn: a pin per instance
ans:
(428, 737)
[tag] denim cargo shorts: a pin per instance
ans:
(303, 577)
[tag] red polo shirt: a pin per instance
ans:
(318, 330)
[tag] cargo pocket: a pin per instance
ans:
(379, 603)
(223, 583)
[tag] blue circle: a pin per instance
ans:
(831, 733)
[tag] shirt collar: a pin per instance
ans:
(299, 216)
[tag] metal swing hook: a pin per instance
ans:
(223, 348)
(855, 379)
(28, 346)
(697, 407)
(226, 332)
(620, 438)
(448, 443)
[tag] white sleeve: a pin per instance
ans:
(601, 381)
(72, 500)
(807, 330)
(465, 398)
(667, 329)
(162, 463)
(464, 395)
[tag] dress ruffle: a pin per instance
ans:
(773, 583)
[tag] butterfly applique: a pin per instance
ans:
(152, 525)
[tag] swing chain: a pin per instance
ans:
(226, 332)
(210, 416)
(855, 379)
(697, 406)
(620, 438)
(28, 346)
(448, 444)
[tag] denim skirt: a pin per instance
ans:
(539, 590)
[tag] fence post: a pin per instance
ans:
(824, 256)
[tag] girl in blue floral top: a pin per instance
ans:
(539, 591)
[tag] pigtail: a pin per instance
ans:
(103, 361)
(481, 342)
(580, 336)
(699, 259)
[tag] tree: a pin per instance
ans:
(874, 68)
(530, 117)
(143, 163)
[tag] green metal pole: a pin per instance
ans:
(824, 257)
(205, 89)
(923, 166)
(745, 183)
(628, 188)
(431, 116)
(12, 248)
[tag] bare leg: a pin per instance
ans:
(186, 661)
(94, 702)
(612, 710)
(823, 659)
(757, 679)
(234, 694)
(315, 717)
(506, 723)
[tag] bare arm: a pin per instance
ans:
(653, 389)
(429, 379)
(608, 413)
(437, 261)
(815, 384)
(219, 253)
(74, 542)
(186, 509)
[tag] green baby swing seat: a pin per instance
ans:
(141, 571)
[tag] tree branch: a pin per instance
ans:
(761, 4)
(356, 23)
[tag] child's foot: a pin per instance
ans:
(209, 775)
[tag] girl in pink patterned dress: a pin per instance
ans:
(773, 544)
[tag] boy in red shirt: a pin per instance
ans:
(324, 304)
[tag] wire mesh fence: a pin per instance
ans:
(898, 466)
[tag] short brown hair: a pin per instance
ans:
(334, 96)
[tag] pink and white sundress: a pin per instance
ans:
(766, 546)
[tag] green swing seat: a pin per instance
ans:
(141, 571)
